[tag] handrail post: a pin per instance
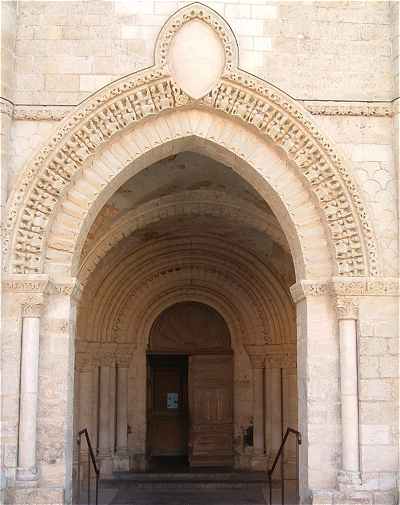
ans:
(91, 460)
(79, 470)
(283, 475)
(97, 488)
(88, 498)
(297, 471)
(270, 488)
(280, 454)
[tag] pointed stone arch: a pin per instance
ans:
(142, 117)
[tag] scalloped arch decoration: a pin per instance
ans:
(41, 188)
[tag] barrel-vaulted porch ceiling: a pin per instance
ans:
(186, 228)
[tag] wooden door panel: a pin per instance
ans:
(168, 436)
(168, 414)
(211, 410)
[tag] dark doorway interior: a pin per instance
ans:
(168, 410)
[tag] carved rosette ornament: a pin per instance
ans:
(347, 307)
(44, 184)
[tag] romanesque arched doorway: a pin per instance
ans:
(316, 217)
(190, 393)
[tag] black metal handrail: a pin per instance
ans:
(278, 455)
(91, 460)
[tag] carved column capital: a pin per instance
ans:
(257, 355)
(347, 307)
(107, 360)
(281, 360)
(123, 361)
(68, 286)
(31, 309)
(83, 362)
(306, 288)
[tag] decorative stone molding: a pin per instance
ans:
(347, 308)
(44, 183)
(304, 289)
(197, 11)
(41, 112)
(316, 108)
(51, 112)
(28, 284)
(350, 286)
(365, 286)
(353, 108)
(6, 107)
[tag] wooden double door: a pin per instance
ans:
(191, 408)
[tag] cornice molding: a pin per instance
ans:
(346, 286)
(25, 283)
(353, 108)
(40, 284)
(365, 286)
(51, 112)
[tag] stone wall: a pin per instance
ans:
(312, 50)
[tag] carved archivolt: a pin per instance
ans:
(43, 185)
(116, 298)
(186, 203)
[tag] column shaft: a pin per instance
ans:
(258, 411)
(85, 400)
(122, 410)
(104, 431)
(28, 399)
(349, 395)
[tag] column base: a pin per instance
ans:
(121, 462)
(259, 462)
(348, 481)
(105, 465)
(355, 497)
(138, 463)
(37, 495)
(26, 477)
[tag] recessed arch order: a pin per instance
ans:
(248, 124)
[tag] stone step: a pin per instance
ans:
(209, 476)
(183, 484)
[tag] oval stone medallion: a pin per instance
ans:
(196, 58)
